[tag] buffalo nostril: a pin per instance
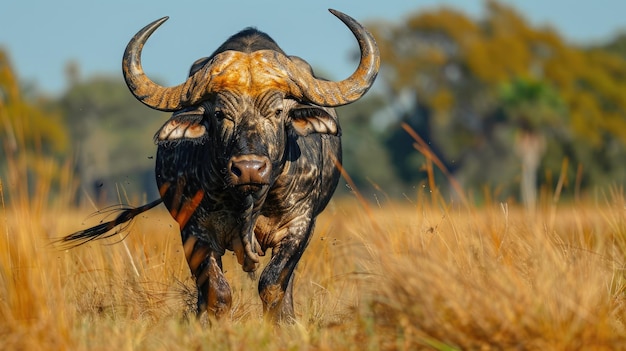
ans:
(262, 168)
(235, 170)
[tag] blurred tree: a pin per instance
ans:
(532, 109)
(460, 71)
(365, 157)
(31, 138)
(25, 123)
(112, 137)
(616, 45)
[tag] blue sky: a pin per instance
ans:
(41, 36)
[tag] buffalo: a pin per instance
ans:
(250, 156)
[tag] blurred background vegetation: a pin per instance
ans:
(508, 110)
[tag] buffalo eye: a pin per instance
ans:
(219, 115)
(278, 112)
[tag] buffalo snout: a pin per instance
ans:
(246, 170)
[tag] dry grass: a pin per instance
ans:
(497, 279)
(398, 276)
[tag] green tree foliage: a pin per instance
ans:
(531, 105)
(482, 81)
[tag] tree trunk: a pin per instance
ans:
(530, 147)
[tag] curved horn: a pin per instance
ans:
(327, 93)
(145, 90)
(317, 91)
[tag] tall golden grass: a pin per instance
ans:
(422, 274)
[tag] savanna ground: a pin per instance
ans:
(415, 274)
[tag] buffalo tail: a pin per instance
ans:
(103, 230)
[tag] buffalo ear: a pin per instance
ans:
(306, 119)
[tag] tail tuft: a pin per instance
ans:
(100, 231)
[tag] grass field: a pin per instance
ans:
(405, 275)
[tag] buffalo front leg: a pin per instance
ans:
(214, 294)
(276, 281)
